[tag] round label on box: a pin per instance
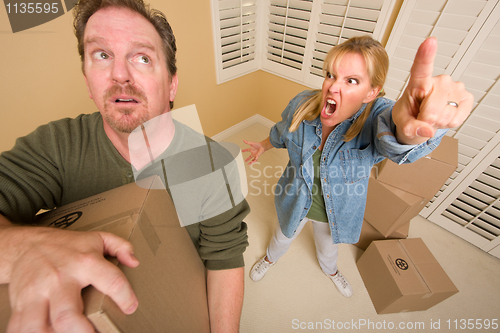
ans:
(402, 264)
(66, 220)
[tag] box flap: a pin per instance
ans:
(388, 208)
(403, 270)
(446, 152)
(95, 211)
(428, 267)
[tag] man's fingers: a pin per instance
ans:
(110, 280)
(423, 66)
(31, 318)
(66, 308)
(120, 248)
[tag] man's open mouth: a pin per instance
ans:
(125, 100)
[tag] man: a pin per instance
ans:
(128, 61)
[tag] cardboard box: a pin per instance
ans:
(170, 281)
(388, 208)
(403, 275)
(424, 177)
(370, 234)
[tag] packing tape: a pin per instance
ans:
(422, 280)
(105, 222)
(149, 233)
(144, 223)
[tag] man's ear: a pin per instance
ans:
(372, 94)
(174, 82)
(87, 84)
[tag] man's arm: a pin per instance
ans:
(47, 268)
(225, 299)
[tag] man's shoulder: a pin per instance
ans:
(83, 120)
(80, 123)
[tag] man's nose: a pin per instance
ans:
(121, 71)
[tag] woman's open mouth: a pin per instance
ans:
(330, 107)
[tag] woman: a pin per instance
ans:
(334, 136)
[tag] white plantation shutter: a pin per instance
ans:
(468, 35)
(287, 35)
(455, 24)
(340, 20)
(235, 36)
(469, 205)
(293, 35)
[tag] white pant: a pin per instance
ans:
(326, 251)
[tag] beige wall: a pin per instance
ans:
(40, 77)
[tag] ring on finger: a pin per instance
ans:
(455, 104)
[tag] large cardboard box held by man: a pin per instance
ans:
(403, 275)
(170, 280)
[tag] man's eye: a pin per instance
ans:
(101, 55)
(143, 59)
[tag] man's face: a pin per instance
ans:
(125, 69)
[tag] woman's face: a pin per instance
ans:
(346, 87)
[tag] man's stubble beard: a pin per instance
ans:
(111, 111)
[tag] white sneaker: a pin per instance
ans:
(341, 283)
(260, 268)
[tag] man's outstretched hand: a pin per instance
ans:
(424, 106)
(47, 268)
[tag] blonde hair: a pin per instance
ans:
(377, 64)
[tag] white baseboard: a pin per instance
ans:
(256, 119)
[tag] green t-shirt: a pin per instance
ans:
(318, 210)
(71, 159)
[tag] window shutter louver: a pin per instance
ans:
(454, 23)
(340, 20)
(235, 34)
(288, 24)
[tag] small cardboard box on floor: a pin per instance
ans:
(170, 280)
(403, 275)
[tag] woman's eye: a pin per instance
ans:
(329, 76)
(352, 81)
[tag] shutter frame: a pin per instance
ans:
(235, 30)
(297, 23)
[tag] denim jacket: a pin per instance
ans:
(344, 168)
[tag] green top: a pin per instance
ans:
(72, 159)
(317, 211)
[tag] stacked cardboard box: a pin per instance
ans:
(403, 275)
(170, 280)
(397, 193)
